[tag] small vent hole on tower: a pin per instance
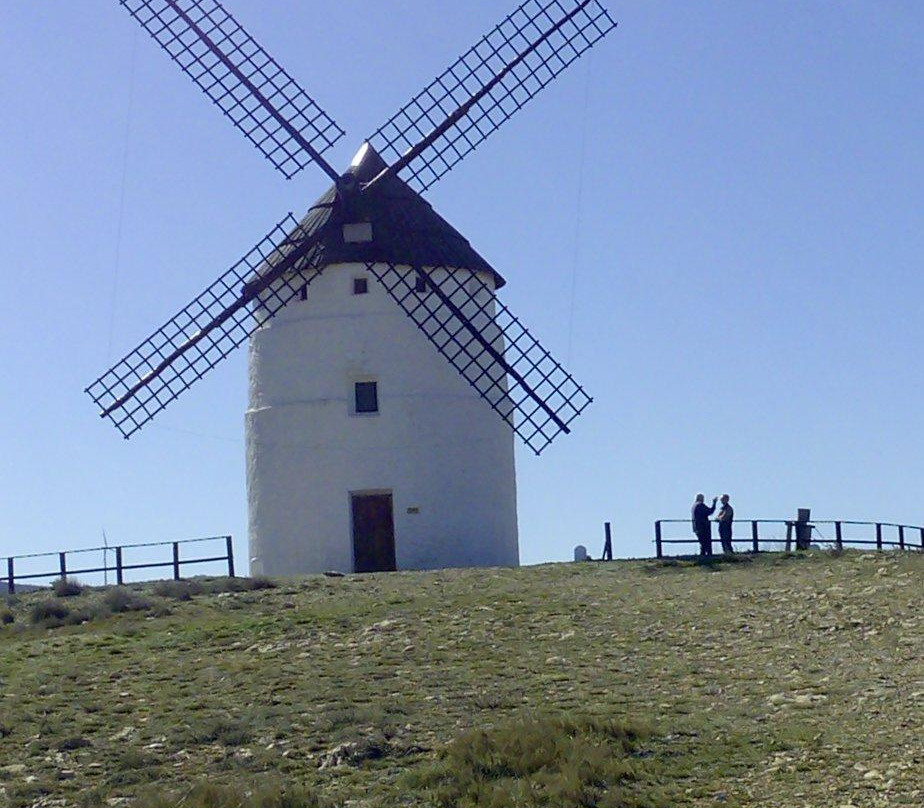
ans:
(360, 286)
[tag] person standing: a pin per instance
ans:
(725, 517)
(702, 527)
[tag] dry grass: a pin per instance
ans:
(783, 682)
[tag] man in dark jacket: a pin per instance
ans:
(702, 527)
(725, 518)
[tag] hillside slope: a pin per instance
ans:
(782, 681)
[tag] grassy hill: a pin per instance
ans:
(781, 681)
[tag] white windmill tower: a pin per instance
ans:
(366, 448)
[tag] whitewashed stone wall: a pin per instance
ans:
(441, 451)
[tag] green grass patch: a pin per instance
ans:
(208, 795)
(560, 762)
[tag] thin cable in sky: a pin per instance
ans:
(113, 297)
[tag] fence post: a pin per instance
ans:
(11, 586)
(838, 537)
(922, 539)
(755, 541)
(118, 565)
(901, 537)
(176, 561)
(63, 564)
(878, 536)
(230, 556)
(658, 550)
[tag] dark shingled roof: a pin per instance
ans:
(405, 228)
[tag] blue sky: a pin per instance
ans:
(715, 221)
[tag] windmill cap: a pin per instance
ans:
(405, 228)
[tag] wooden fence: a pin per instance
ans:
(762, 534)
(63, 568)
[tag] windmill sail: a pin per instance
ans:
(488, 345)
(466, 323)
(206, 330)
(485, 86)
(260, 98)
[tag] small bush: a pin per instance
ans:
(228, 584)
(549, 761)
(120, 599)
(262, 582)
(132, 759)
(209, 795)
(132, 767)
(66, 587)
(69, 744)
(217, 729)
(178, 590)
(50, 610)
(7, 617)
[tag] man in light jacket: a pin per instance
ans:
(725, 517)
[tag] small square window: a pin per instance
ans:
(420, 285)
(360, 286)
(366, 397)
(303, 292)
(357, 232)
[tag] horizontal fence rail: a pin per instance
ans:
(64, 566)
(761, 534)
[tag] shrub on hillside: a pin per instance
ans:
(66, 587)
(120, 599)
(222, 729)
(228, 584)
(209, 795)
(548, 761)
(177, 590)
(6, 616)
(49, 610)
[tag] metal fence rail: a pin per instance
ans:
(764, 532)
(63, 569)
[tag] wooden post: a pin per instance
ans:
(901, 537)
(607, 543)
(878, 536)
(755, 541)
(838, 538)
(176, 561)
(63, 564)
(11, 585)
(922, 539)
(788, 536)
(803, 529)
(118, 565)
(658, 549)
(228, 544)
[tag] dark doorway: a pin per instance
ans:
(373, 533)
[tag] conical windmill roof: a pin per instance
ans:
(405, 228)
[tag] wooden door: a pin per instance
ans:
(373, 533)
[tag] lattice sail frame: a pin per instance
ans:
(476, 333)
(259, 97)
(500, 63)
(488, 345)
(206, 330)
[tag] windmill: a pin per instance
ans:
(378, 345)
